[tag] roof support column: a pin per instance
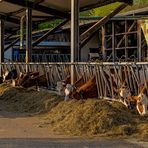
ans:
(74, 35)
(1, 43)
(28, 36)
(22, 27)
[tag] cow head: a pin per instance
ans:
(142, 103)
(69, 90)
(125, 95)
(61, 88)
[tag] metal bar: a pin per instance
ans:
(113, 40)
(74, 35)
(1, 43)
(103, 43)
(28, 36)
(139, 40)
(126, 41)
(22, 32)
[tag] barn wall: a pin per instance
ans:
(8, 54)
(93, 43)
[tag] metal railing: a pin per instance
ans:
(133, 74)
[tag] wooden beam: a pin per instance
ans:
(101, 22)
(39, 7)
(49, 33)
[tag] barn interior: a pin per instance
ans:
(23, 17)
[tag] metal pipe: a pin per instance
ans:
(22, 31)
(28, 36)
(74, 35)
(1, 44)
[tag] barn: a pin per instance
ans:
(129, 42)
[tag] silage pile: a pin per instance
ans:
(90, 117)
(24, 100)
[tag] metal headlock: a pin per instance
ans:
(133, 73)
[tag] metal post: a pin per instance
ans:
(113, 41)
(139, 41)
(28, 36)
(1, 44)
(103, 43)
(126, 41)
(74, 35)
(22, 32)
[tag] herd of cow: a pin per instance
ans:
(83, 90)
(80, 89)
(25, 80)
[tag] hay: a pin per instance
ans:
(89, 117)
(95, 117)
(30, 101)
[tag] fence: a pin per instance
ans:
(44, 58)
(107, 74)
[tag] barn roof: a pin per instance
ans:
(12, 10)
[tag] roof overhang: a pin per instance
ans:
(13, 10)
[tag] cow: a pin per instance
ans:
(23, 77)
(141, 101)
(10, 75)
(125, 94)
(37, 81)
(88, 90)
(70, 89)
(61, 85)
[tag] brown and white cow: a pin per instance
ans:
(125, 94)
(38, 81)
(141, 101)
(88, 90)
(23, 77)
(70, 89)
